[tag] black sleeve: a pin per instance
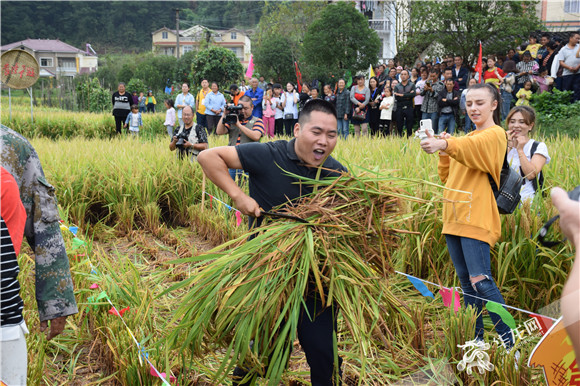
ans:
(113, 99)
(254, 156)
(201, 134)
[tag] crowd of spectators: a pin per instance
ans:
(398, 96)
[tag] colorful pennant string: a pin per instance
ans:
(94, 300)
(238, 218)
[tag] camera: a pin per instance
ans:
(574, 195)
(181, 138)
(429, 83)
(233, 113)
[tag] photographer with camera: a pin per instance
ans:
(241, 126)
(191, 138)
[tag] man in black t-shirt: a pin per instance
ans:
(266, 164)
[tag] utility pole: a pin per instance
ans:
(177, 29)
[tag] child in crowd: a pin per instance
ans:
(524, 94)
(386, 111)
(141, 100)
(279, 115)
(169, 117)
(543, 80)
(134, 121)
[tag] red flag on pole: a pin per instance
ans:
(298, 77)
(479, 66)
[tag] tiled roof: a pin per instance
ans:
(43, 45)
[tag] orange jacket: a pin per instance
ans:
(469, 208)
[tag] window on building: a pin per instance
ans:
(67, 63)
(46, 62)
(237, 51)
(572, 6)
(218, 38)
(187, 49)
(234, 35)
(164, 35)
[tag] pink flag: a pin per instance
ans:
(450, 296)
(155, 373)
(94, 286)
(250, 70)
(113, 311)
(238, 218)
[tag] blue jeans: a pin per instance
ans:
(343, 127)
(239, 173)
(506, 104)
(446, 120)
(434, 117)
(471, 258)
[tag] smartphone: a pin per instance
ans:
(426, 125)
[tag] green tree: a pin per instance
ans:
(216, 64)
(458, 26)
(91, 96)
(156, 70)
(289, 20)
(136, 84)
(339, 40)
(273, 59)
(183, 67)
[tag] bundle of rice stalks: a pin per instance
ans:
(247, 296)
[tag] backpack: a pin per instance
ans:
(539, 180)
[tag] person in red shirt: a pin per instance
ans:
(493, 74)
(13, 357)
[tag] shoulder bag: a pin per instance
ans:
(507, 196)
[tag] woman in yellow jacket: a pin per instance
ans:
(471, 222)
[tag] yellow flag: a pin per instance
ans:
(371, 71)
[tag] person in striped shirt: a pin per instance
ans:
(13, 358)
(248, 129)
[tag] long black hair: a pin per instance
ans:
(494, 92)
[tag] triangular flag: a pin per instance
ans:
(77, 243)
(73, 230)
(498, 309)
(238, 218)
(479, 66)
(63, 228)
(298, 77)
(113, 311)
(348, 78)
(544, 323)
(420, 286)
(250, 70)
(371, 71)
(154, 372)
(450, 296)
(94, 286)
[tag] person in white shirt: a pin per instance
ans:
(387, 111)
(526, 155)
(169, 117)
